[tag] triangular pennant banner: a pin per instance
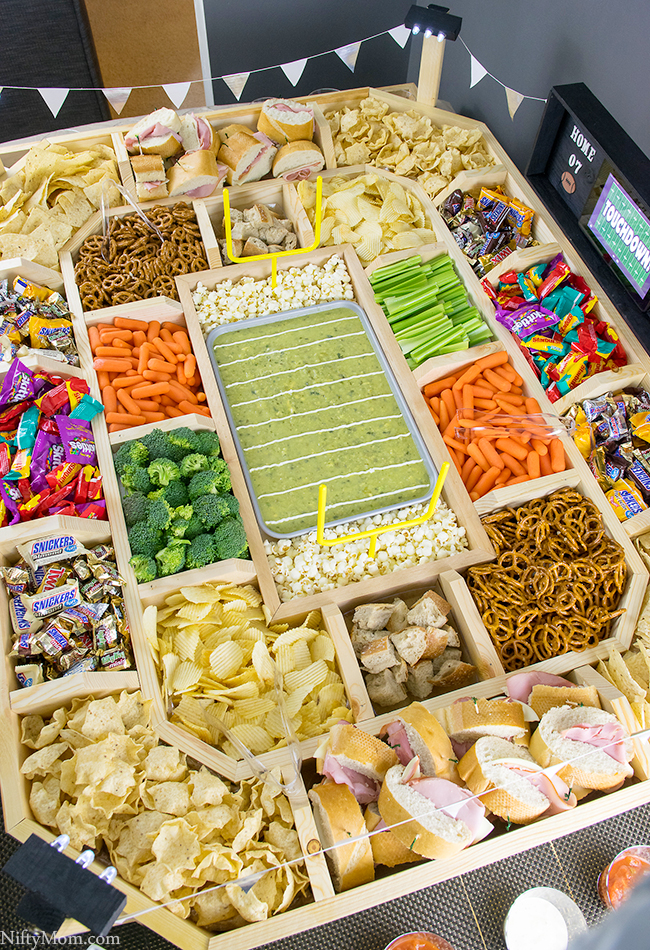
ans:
(515, 99)
(293, 71)
(177, 92)
(236, 83)
(117, 96)
(54, 98)
(478, 71)
(349, 54)
(400, 34)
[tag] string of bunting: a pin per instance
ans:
(55, 96)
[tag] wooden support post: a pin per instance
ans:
(433, 53)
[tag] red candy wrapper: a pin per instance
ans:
(5, 459)
(82, 484)
(95, 486)
(559, 273)
(63, 474)
(96, 510)
(54, 400)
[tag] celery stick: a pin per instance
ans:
(454, 348)
(395, 268)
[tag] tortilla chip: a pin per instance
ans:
(623, 679)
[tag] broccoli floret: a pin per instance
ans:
(200, 552)
(171, 559)
(135, 508)
(157, 444)
(144, 539)
(230, 539)
(135, 479)
(208, 483)
(192, 464)
(220, 467)
(144, 568)
(211, 509)
(131, 453)
(175, 494)
(183, 441)
(159, 514)
(194, 527)
(181, 517)
(207, 442)
(233, 504)
(162, 471)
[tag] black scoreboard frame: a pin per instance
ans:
(598, 142)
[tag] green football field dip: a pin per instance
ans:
(311, 404)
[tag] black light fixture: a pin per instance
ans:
(433, 21)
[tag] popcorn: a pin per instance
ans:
(301, 567)
(296, 287)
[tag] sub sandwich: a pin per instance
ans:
(416, 732)
(157, 134)
(150, 177)
(195, 174)
(197, 133)
(338, 817)
(246, 156)
(354, 758)
(297, 161)
(284, 120)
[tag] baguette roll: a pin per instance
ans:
(386, 848)
(284, 120)
(197, 133)
(354, 758)
(338, 817)
(246, 157)
(416, 731)
(296, 161)
(158, 133)
(195, 174)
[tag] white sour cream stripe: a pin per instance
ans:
(295, 415)
(291, 392)
(265, 336)
(300, 435)
(314, 455)
(298, 369)
(335, 478)
(288, 349)
(357, 501)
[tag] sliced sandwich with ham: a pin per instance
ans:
(512, 785)
(338, 818)
(467, 720)
(247, 156)
(431, 816)
(415, 731)
(195, 174)
(543, 691)
(386, 848)
(156, 134)
(197, 133)
(354, 758)
(297, 161)
(592, 742)
(150, 177)
(284, 120)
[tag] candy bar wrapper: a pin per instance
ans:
(56, 498)
(63, 474)
(20, 467)
(12, 513)
(87, 408)
(44, 332)
(553, 278)
(40, 459)
(626, 500)
(77, 389)
(78, 440)
(95, 510)
(584, 439)
(640, 423)
(27, 428)
(528, 320)
(17, 386)
(30, 674)
(57, 547)
(25, 288)
(54, 400)
(95, 486)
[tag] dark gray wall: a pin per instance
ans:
(531, 45)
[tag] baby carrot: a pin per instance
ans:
(154, 416)
(109, 399)
(147, 405)
(182, 391)
(485, 403)
(468, 466)
(193, 381)
(447, 397)
(512, 448)
(457, 395)
(189, 366)
(540, 447)
(468, 376)
(506, 371)
(111, 365)
(545, 464)
(143, 358)
(486, 481)
(449, 441)
(108, 335)
(186, 406)
(164, 351)
(114, 428)
(480, 392)
(513, 400)
(153, 330)
(434, 402)
(434, 389)
(145, 392)
(468, 397)
(507, 407)
(181, 337)
(180, 373)
(556, 450)
(156, 377)
(93, 336)
(103, 379)
(533, 463)
(474, 451)
(473, 477)
(436, 417)
(502, 384)
(172, 412)
(518, 480)
(139, 337)
(131, 372)
(123, 381)
(532, 406)
(491, 455)
(165, 334)
(474, 496)
(503, 477)
(122, 323)
(125, 419)
(515, 467)
(161, 366)
(112, 351)
(124, 397)
(483, 384)
(168, 325)
(444, 415)
(454, 457)
(494, 359)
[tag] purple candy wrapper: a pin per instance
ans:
(42, 455)
(17, 385)
(78, 440)
(527, 320)
(12, 510)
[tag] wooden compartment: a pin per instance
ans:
(93, 226)
(278, 194)
(634, 374)
(243, 572)
(453, 493)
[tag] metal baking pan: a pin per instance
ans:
(287, 315)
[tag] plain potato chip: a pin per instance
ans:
(623, 679)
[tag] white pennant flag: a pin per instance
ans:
(293, 71)
(117, 96)
(177, 92)
(54, 98)
(515, 99)
(400, 34)
(236, 83)
(349, 54)
(478, 71)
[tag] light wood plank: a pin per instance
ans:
(476, 640)
(349, 669)
(316, 864)
(43, 699)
